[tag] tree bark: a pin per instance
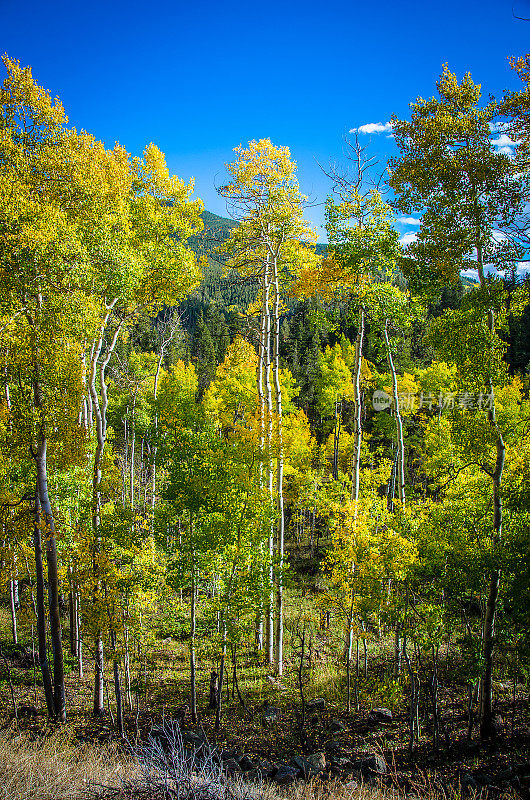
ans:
(487, 727)
(13, 610)
(100, 412)
(268, 397)
(193, 696)
(358, 431)
(221, 679)
(399, 423)
(53, 582)
(117, 688)
(41, 614)
(279, 468)
(99, 703)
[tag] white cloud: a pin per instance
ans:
(523, 268)
(373, 127)
(408, 238)
(504, 144)
(498, 236)
(470, 273)
(408, 221)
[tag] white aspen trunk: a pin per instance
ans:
(41, 613)
(268, 397)
(53, 583)
(336, 434)
(100, 412)
(132, 461)
(13, 584)
(172, 331)
(221, 680)
(261, 406)
(89, 404)
(358, 431)
(72, 616)
(399, 422)
(127, 669)
(193, 627)
(13, 611)
(279, 467)
(79, 640)
(125, 467)
(349, 652)
(487, 726)
(83, 412)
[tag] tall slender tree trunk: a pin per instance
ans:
(127, 669)
(270, 484)
(173, 327)
(117, 687)
(349, 651)
(41, 614)
(221, 679)
(487, 727)
(261, 405)
(72, 616)
(399, 423)
(336, 438)
(79, 639)
(193, 628)
(100, 414)
(13, 605)
(357, 431)
(132, 464)
(279, 468)
(53, 582)
(99, 678)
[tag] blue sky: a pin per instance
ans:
(200, 78)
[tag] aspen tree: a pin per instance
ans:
(269, 243)
(470, 196)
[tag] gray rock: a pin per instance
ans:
(380, 715)
(254, 776)
(316, 705)
(337, 726)
(340, 762)
(352, 786)
(231, 767)
(265, 768)
(317, 760)
(468, 784)
(27, 711)
(270, 716)
(193, 739)
(369, 765)
(246, 763)
(310, 767)
(333, 746)
(285, 775)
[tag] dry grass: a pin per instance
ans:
(55, 767)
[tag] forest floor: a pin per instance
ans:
(497, 768)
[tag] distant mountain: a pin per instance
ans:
(216, 230)
(230, 291)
